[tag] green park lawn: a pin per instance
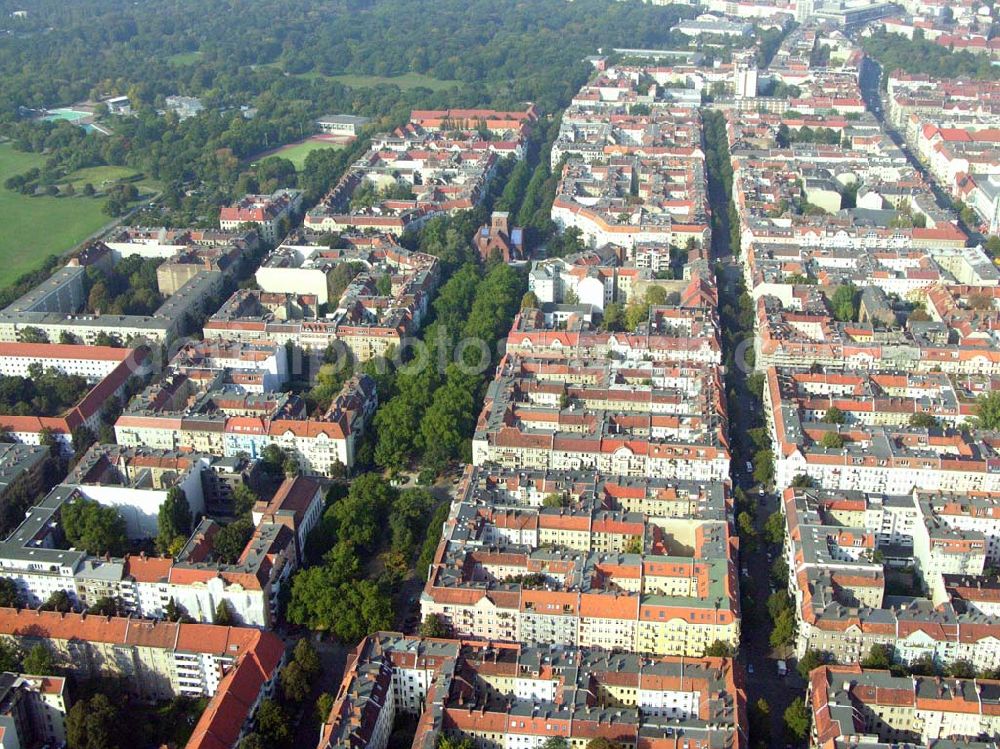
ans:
(35, 227)
(99, 176)
(184, 58)
(404, 82)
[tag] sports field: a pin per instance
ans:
(32, 228)
(297, 152)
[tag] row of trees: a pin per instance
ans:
(749, 438)
(431, 412)
(719, 167)
(806, 134)
(338, 592)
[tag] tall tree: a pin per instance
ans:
(94, 528)
(39, 661)
(94, 724)
(174, 519)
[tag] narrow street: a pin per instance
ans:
(869, 83)
(756, 654)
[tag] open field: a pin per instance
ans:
(36, 227)
(99, 176)
(104, 177)
(405, 81)
(184, 58)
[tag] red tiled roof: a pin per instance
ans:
(42, 351)
(147, 569)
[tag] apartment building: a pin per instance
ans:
(876, 449)
(661, 216)
(303, 266)
(22, 469)
(37, 557)
(258, 366)
(631, 177)
(437, 163)
(236, 668)
(173, 273)
(547, 557)
(56, 308)
(839, 545)
(502, 696)
(802, 332)
(954, 126)
(136, 482)
(108, 370)
(491, 120)
(866, 709)
(685, 333)
(226, 420)
(33, 709)
(602, 415)
(266, 212)
(595, 277)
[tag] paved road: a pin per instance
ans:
(868, 81)
(755, 651)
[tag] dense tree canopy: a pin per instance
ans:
(46, 392)
(512, 50)
(797, 719)
(432, 412)
(39, 661)
(896, 52)
(334, 595)
(92, 527)
(282, 60)
(230, 541)
(94, 724)
(130, 288)
(988, 410)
